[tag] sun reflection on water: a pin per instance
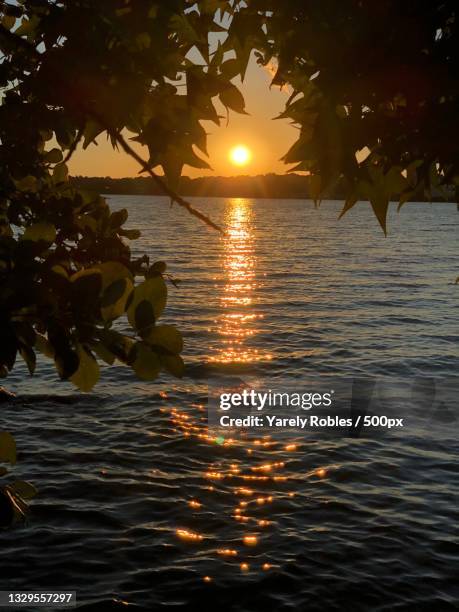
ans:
(247, 484)
(237, 324)
(247, 480)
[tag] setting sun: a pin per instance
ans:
(240, 155)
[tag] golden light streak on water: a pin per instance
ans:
(266, 566)
(238, 323)
(250, 509)
(227, 552)
(189, 536)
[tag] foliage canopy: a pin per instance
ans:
(373, 90)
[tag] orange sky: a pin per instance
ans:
(268, 140)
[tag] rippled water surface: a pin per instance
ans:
(139, 503)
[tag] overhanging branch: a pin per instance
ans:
(24, 44)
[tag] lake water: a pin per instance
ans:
(138, 503)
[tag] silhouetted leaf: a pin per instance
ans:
(131, 234)
(87, 283)
(116, 343)
(119, 218)
(158, 266)
(54, 156)
(144, 316)
(7, 448)
(60, 173)
(114, 293)
(43, 346)
(348, 204)
(29, 357)
(24, 489)
(103, 353)
(117, 285)
(91, 131)
(233, 99)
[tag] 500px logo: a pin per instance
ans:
(269, 399)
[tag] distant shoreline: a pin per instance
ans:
(269, 186)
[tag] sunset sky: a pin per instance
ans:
(267, 140)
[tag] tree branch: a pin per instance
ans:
(74, 144)
(13, 38)
(167, 190)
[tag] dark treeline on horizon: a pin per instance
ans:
(263, 186)
(276, 186)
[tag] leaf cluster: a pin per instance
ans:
(69, 73)
(373, 91)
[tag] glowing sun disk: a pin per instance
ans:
(240, 155)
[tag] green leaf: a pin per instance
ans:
(60, 173)
(43, 346)
(7, 448)
(181, 24)
(8, 21)
(117, 286)
(159, 267)
(230, 68)
(66, 361)
(380, 206)
(348, 204)
(28, 183)
(143, 41)
(28, 27)
(145, 362)
(88, 372)
(91, 131)
(395, 183)
(114, 293)
(46, 134)
(103, 353)
(315, 187)
(25, 490)
(54, 156)
(86, 222)
(144, 316)
(152, 290)
(40, 232)
(119, 218)
(166, 336)
(116, 343)
(173, 364)
(130, 234)
(29, 357)
(404, 198)
(87, 283)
